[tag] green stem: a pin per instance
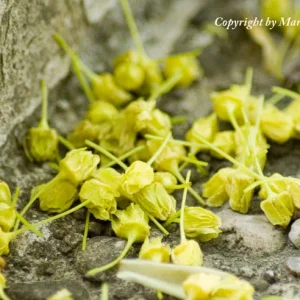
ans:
(190, 189)
(28, 225)
(178, 186)
(83, 82)
(159, 150)
(249, 79)
(235, 124)
(285, 92)
(104, 292)
(86, 230)
(159, 138)
(106, 153)
(133, 28)
(178, 120)
(172, 218)
(194, 161)
(16, 196)
(274, 99)
(158, 225)
(165, 87)
(44, 117)
(126, 155)
(182, 234)
(65, 142)
(54, 166)
(95, 271)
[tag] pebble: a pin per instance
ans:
(294, 234)
(293, 264)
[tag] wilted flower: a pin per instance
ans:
(200, 286)
(187, 253)
(7, 216)
(156, 201)
(155, 250)
(276, 186)
(293, 110)
(225, 141)
(5, 239)
(102, 198)
(61, 295)
(109, 176)
(167, 179)
(5, 195)
(78, 165)
(184, 64)
(205, 127)
(237, 182)
(84, 130)
(215, 188)
(57, 195)
(105, 87)
(278, 208)
(294, 189)
(201, 223)
(276, 125)
(100, 112)
(233, 288)
(136, 177)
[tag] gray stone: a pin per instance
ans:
(294, 234)
(293, 264)
(96, 255)
(254, 231)
(42, 290)
(288, 290)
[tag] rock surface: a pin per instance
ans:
(294, 234)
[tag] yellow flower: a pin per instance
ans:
(201, 223)
(78, 165)
(225, 141)
(61, 295)
(136, 177)
(277, 186)
(276, 125)
(205, 127)
(5, 195)
(57, 195)
(110, 177)
(155, 250)
(167, 179)
(102, 198)
(41, 144)
(5, 239)
(100, 112)
(237, 182)
(278, 208)
(215, 188)
(184, 64)
(156, 201)
(199, 286)
(7, 216)
(187, 253)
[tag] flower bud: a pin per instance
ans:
(215, 188)
(276, 125)
(156, 201)
(105, 86)
(200, 286)
(129, 75)
(5, 195)
(61, 295)
(155, 250)
(136, 177)
(84, 130)
(277, 186)
(293, 110)
(205, 127)
(110, 177)
(101, 111)
(278, 208)
(78, 165)
(2, 281)
(294, 189)
(186, 65)
(237, 182)
(187, 253)
(166, 179)
(131, 223)
(57, 195)
(225, 141)
(102, 198)
(7, 216)
(200, 223)
(41, 144)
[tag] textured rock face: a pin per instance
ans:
(96, 28)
